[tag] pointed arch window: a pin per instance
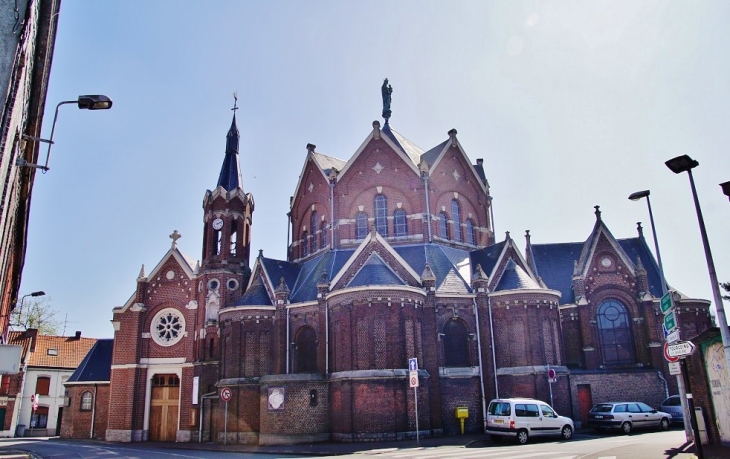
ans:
(314, 227)
(381, 215)
(469, 227)
(218, 241)
(443, 230)
(614, 330)
(361, 225)
(456, 344)
(323, 235)
(234, 238)
(456, 217)
(306, 350)
(305, 244)
(400, 224)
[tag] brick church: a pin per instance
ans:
(392, 256)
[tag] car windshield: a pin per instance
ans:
(603, 408)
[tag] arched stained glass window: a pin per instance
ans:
(456, 217)
(614, 330)
(381, 215)
(443, 230)
(361, 225)
(306, 350)
(314, 225)
(305, 244)
(323, 235)
(470, 238)
(456, 347)
(400, 224)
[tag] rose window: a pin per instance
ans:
(168, 327)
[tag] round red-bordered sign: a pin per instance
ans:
(666, 354)
(551, 373)
(226, 394)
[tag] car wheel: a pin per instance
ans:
(496, 438)
(664, 424)
(566, 433)
(626, 428)
(522, 437)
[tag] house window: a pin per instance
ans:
(381, 215)
(323, 234)
(42, 385)
(306, 350)
(361, 225)
(5, 386)
(456, 349)
(86, 400)
(614, 330)
(470, 232)
(443, 230)
(39, 418)
(305, 244)
(400, 223)
(456, 216)
(314, 226)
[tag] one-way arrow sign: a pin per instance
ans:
(680, 349)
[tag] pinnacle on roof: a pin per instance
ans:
(230, 177)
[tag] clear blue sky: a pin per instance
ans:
(571, 104)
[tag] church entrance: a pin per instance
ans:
(164, 407)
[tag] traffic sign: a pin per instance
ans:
(669, 358)
(670, 322)
(551, 373)
(680, 349)
(226, 394)
(413, 378)
(666, 302)
(675, 368)
(672, 337)
(413, 364)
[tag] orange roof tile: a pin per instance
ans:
(69, 350)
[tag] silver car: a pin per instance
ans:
(627, 416)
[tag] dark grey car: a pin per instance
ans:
(673, 406)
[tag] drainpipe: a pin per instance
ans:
(202, 408)
(93, 412)
(332, 214)
(494, 354)
(428, 207)
(479, 346)
(326, 338)
(288, 345)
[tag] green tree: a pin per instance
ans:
(36, 312)
(726, 286)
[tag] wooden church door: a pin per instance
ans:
(164, 407)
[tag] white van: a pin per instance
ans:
(522, 418)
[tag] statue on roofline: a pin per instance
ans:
(386, 90)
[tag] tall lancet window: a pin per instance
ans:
(305, 244)
(456, 344)
(470, 232)
(306, 350)
(381, 215)
(614, 330)
(361, 225)
(218, 241)
(234, 237)
(400, 224)
(456, 216)
(323, 235)
(443, 231)
(314, 226)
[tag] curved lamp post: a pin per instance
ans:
(90, 102)
(38, 293)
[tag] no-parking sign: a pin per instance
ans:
(226, 394)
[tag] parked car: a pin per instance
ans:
(522, 418)
(673, 406)
(627, 416)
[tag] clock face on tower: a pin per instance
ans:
(217, 224)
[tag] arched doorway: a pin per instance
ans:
(164, 407)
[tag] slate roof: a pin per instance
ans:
(276, 269)
(451, 267)
(515, 278)
(326, 163)
(555, 264)
(409, 148)
(637, 247)
(487, 257)
(480, 172)
(97, 365)
(256, 295)
(432, 155)
(375, 272)
(230, 176)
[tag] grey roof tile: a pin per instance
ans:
(256, 295)
(515, 278)
(97, 365)
(555, 264)
(409, 148)
(375, 272)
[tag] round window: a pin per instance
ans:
(168, 327)
(213, 284)
(232, 284)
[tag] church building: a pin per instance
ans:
(392, 257)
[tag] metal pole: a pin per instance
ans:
(550, 386)
(415, 396)
(665, 288)
(225, 426)
(693, 417)
(721, 319)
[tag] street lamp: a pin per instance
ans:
(38, 293)
(90, 102)
(726, 189)
(665, 288)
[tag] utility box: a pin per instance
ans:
(701, 425)
(461, 413)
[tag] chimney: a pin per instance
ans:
(77, 335)
(32, 333)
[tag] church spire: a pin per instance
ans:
(230, 177)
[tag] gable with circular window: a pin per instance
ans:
(168, 327)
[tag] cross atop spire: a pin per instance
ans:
(235, 101)
(230, 176)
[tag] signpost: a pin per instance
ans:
(666, 303)
(551, 380)
(670, 321)
(670, 358)
(680, 349)
(226, 397)
(413, 380)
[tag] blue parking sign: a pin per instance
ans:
(413, 364)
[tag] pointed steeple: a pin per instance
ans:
(230, 177)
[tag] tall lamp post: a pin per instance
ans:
(20, 310)
(665, 288)
(91, 102)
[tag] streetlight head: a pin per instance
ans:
(726, 189)
(95, 102)
(38, 293)
(639, 194)
(681, 164)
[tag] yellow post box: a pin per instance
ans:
(461, 413)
